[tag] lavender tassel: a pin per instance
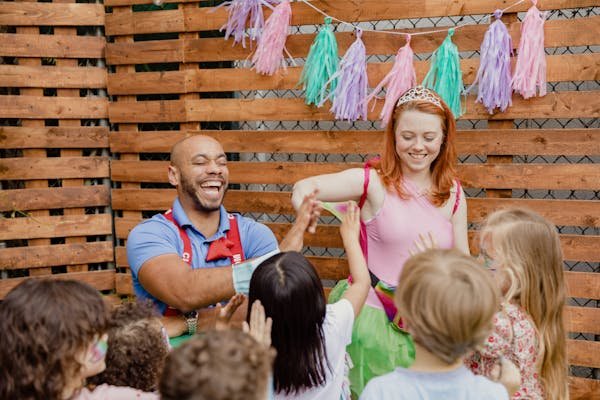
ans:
(494, 76)
(239, 11)
(352, 83)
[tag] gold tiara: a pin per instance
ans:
(420, 93)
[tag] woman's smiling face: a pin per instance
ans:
(419, 138)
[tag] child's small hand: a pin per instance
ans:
(259, 327)
(350, 227)
(224, 314)
(423, 243)
(307, 217)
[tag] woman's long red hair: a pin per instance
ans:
(443, 168)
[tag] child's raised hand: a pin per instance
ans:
(259, 327)
(423, 243)
(350, 227)
(224, 314)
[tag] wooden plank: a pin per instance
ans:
(575, 247)
(56, 255)
(584, 389)
(19, 200)
(584, 353)
(560, 212)
(476, 141)
(54, 168)
(557, 33)
(559, 68)
(582, 319)
(151, 51)
(50, 76)
(212, 18)
(35, 227)
(54, 137)
(569, 32)
(515, 176)
(531, 176)
(145, 22)
(154, 82)
(36, 107)
(529, 142)
(584, 285)
(53, 14)
(553, 105)
(60, 46)
(101, 280)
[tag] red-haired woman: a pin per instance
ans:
(408, 198)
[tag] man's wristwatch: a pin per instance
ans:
(191, 319)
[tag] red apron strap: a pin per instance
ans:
(187, 244)
(237, 252)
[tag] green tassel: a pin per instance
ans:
(321, 64)
(445, 76)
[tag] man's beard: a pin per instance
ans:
(200, 204)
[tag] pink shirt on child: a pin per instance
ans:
(108, 392)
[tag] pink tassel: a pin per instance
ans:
(238, 13)
(351, 90)
(530, 72)
(401, 77)
(269, 52)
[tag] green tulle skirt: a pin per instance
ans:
(377, 347)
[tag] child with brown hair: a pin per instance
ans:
(222, 365)
(53, 338)
(137, 347)
(447, 302)
(523, 249)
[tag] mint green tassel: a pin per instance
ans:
(445, 76)
(321, 64)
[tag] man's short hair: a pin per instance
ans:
(448, 301)
(218, 365)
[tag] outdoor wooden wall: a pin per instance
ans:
(141, 176)
(53, 198)
(165, 66)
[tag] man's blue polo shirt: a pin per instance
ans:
(157, 236)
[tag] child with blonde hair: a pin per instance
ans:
(524, 251)
(447, 302)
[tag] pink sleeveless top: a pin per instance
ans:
(393, 231)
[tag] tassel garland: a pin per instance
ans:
(400, 78)
(445, 76)
(321, 63)
(269, 52)
(349, 95)
(238, 13)
(530, 72)
(494, 75)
